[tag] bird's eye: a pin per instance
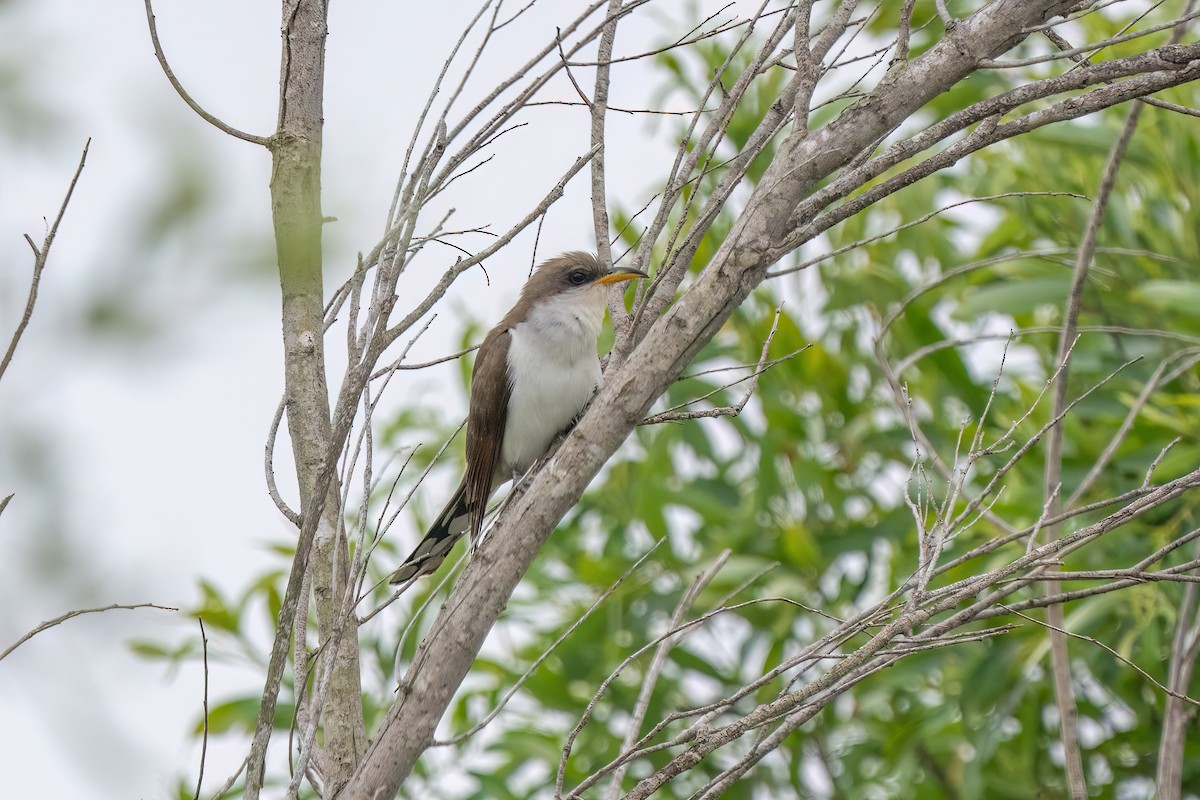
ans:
(578, 277)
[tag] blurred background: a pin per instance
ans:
(133, 416)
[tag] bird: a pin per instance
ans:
(534, 374)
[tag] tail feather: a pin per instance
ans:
(431, 551)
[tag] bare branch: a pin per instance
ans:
(673, 414)
(71, 615)
(512, 690)
(657, 662)
(204, 741)
(1185, 646)
(39, 264)
(1169, 692)
(1144, 74)
(1089, 48)
(808, 65)
(904, 31)
(599, 109)
(1158, 460)
(269, 466)
(1063, 689)
(187, 98)
(225, 787)
(464, 264)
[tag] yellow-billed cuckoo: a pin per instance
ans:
(533, 375)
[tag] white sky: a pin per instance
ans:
(141, 457)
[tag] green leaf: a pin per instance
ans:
(1181, 297)
(1016, 298)
(241, 715)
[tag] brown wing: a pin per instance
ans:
(490, 390)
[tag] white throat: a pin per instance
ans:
(553, 370)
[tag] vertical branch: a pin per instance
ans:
(204, 742)
(1184, 649)
(808, 67)
(657, 663)
(903, 33)
(616, 302)
(1064, 693)
(296, 211)
(833, 30)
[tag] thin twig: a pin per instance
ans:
(1167, 106)
(269, 466)
(1060, 660)
(657, 662)
(204, 741)
(1114, 653)
(651, 111)
(947, 344)
(1081, 594)
(459, 738)
(567, 66)
(39, 264)
(227, 785)
(1118, 438)
(399, 367)
(923, 218)
(675, 415)
(71, 615)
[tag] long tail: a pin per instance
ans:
(432, 550)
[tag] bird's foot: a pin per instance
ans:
(523, 480)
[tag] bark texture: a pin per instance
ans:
(296, 210)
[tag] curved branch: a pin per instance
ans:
(269, 467)
(187, 98)
(77, 613)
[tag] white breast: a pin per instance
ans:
(553, 369)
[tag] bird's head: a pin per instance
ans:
(576, 275)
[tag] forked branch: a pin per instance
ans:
(39, 264)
